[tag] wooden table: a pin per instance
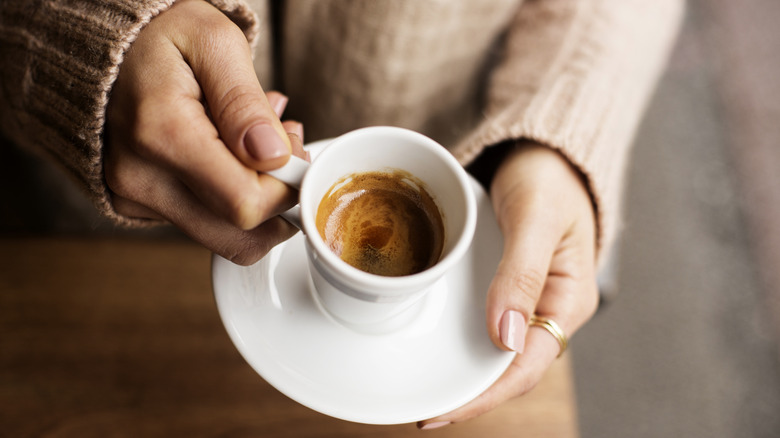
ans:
(121, 337)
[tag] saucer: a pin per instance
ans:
(438, 362)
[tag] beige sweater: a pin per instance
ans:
(572, 74)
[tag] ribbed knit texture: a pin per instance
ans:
(572, 74)
(586, 94)
(59, 62)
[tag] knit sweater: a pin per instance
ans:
(571, 74)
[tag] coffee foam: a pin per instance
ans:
(384, 223)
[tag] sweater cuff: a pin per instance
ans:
(63, 59)
(585, 99)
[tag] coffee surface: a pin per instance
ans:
(384, 223)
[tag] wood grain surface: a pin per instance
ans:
(121, 337)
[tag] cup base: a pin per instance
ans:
(404, 318)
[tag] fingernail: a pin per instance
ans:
(278, 103)
(263, 143)
(297, 129)
(512, 330)
(434, 425)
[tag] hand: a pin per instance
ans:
(547, 268)
(188, 129)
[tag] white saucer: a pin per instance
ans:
(440, 361)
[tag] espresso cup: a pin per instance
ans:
(358, 299)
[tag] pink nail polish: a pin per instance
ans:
(512, 330)
(263, 143)
(298, 130)
(278, 104)
(435, 425)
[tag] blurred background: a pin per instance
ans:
(691, 345)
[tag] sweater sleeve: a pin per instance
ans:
(585, 94)
(60, 60)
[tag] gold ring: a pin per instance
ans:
(554, 329)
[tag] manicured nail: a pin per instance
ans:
(297, 129)
(263, 143)
(512, 330)
(434, 425)
(278, 103)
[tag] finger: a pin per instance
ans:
(518, 282)
(294, 127)
(569, 298)
(153, 189)
(567, 301)
(533, 223)
(295, 132)
(132, 209)
(189, 147)
(571, 295)
(187, 143)
(523, 374)
(242, 247)
(569, 304)
(536, 276)
(221, 61)
(278, 102)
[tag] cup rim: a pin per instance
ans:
(379, 284)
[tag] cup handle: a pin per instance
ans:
(293, 216)
(292, 174)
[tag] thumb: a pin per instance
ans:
(221, 61)
(517, 286)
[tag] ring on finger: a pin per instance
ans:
(553, 328)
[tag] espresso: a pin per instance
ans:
(384, 223)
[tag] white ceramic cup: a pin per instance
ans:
(358, 299)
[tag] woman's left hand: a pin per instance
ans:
(547, 268)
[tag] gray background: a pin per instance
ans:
(690, 346)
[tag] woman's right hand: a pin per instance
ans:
(188, 128)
